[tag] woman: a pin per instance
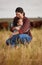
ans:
(24, 32)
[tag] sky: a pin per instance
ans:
(32, 8)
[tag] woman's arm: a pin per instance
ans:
(25, 27)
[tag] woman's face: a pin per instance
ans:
(20, 15)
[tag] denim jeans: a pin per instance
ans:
(22, 37)
(12, 40)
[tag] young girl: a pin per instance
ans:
(12, 39)
(19, 24)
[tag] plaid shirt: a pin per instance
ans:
(25, 29)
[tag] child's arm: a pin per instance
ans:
(14, 33)
(17, 28)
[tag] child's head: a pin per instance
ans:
(18, 21)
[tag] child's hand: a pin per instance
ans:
(11, 35)
(17, 28)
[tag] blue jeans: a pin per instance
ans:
(22, 37)
(12, 40)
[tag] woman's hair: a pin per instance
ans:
(24, 14)
(19, 9)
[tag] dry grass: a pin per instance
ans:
(31, 55)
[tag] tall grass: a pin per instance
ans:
(31, 55)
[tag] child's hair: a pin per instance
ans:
(15, 21)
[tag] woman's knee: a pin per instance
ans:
(25, 37)
(28, 38)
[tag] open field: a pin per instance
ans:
(31, 55)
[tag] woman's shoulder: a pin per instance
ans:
(26, 19)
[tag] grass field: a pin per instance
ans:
(31, 55)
